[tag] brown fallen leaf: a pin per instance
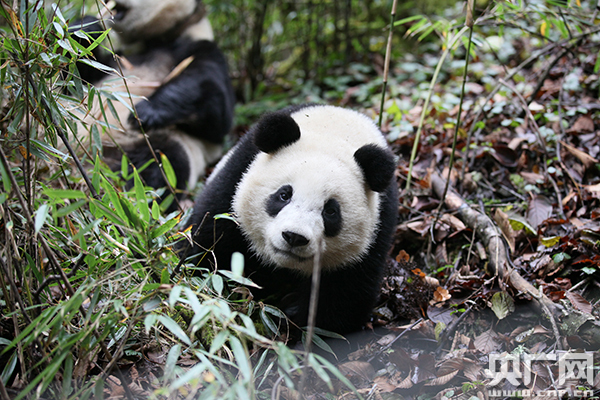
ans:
(441, 295)
(384, 384)
(503, 222)
(594, 190)
(539, 210)
(362, 369)
(402, 256)
(587, 160)
(442, 380)
(583, 124)
(487, 342)
(579, 303)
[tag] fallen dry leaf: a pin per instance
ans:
(583, 124)
(587, 160)
(442, 380)
(441, 295)
(362, 369)
(579, 303)
(539, 210)
(488, 341)
(503, 222)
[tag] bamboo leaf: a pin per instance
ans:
(64, 194)
(174, 329)
(242, 359)
(169, 172)
(140, 194)
(40, 217)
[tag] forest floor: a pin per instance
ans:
(507, 262)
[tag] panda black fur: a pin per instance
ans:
(179, 81)
(302, 176)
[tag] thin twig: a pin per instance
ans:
(312, 311)
(469, 24)
(386, 64)
(413, 154)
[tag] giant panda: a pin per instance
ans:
(179, 84)
(304, 180)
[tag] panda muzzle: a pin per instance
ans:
(294, 239)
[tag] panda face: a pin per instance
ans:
(144, 19)
(331, 215)
(314, 188)
(290, 208)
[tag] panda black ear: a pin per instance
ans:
(274, 131)
(377, 164)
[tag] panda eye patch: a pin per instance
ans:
(278, 200)
(332, 217)
(285, 195)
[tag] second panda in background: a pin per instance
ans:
(179, 83)
(305, 181)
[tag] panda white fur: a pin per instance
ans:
(304, 179)
(179, 82)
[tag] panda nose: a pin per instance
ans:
(294, 239)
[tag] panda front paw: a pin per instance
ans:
(147, 116)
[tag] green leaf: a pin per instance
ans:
(149, 322)
(50, 150)
(518, 223)
(99, 389)
(336, 372)
(549, 241)
(155, 211)
(124, 167)
(97, 65)
(164, 228)
(193, 299)
(140, 195)
(439, 328)
(114, 198)
(589, 270)
(409, 19)
(99, 209)
(169, 172)
(130, 213)
(225, 216)
(5, 179)
(40, 217)
(164, 276)
(219, 341)
(319, 370)
(174, 329)
(237, 264)
(171, 362)
(67, 376)
(237, 278)
(241, 358)
(268, 322)
(502, 304)
(174, 295)
(217, 283)
(64, 194)
(320, 343)
(61, 212)
(9, 367)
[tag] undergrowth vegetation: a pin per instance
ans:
(94, 300)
